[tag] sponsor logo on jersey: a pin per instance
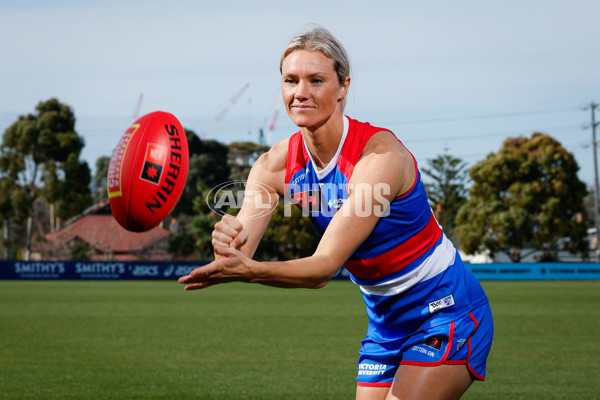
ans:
(442, 303)
(308, 200)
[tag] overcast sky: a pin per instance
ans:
(456, 75)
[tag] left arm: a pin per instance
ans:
(385, 164)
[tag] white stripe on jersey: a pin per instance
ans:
(442, 257)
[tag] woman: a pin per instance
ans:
(430, 325)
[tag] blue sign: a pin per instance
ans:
(75, 270)
(95, 269)
(536, 271)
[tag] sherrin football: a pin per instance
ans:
(147, 171)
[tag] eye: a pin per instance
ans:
(289, 81)
(316, 81)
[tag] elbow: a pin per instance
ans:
(321, 281)
(325, 274)
(319, 284)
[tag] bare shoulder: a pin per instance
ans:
(385, 152)
(386, 143)
(270, 167)
(275, 159)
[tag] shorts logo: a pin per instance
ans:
(422, 350)
(154, 161)
(442, 303)
(371, 369)
(434, 342)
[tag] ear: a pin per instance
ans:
(344, 88)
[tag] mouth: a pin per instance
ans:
(301, 107)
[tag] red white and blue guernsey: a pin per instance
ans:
(410, 275)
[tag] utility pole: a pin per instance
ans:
(593, 107)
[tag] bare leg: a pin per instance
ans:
(444, 382)
(371, 393)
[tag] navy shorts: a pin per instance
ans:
(466, 340)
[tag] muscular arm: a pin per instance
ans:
(263, 188)
(384, 163)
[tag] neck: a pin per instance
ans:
(323, 141)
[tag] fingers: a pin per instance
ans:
(226, 251)
(229, 232)
(197, 286)
(198, 275)
(224, 269)
(239, 240)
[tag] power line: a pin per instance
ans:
(447, 119)
(485, 116)
(481, 135)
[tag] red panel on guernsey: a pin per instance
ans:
(399, 257)
(358, 135)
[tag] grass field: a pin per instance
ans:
(152, 340)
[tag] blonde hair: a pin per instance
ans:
(320, 39)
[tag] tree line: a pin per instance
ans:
(527, 195)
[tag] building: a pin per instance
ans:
(97, 234)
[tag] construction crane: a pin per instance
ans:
(265, 141)
(136, 111)
(224, 112)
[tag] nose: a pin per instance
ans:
(301, 92)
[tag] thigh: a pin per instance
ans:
(443, 382)
(371, 393)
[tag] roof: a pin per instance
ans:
(101, 231)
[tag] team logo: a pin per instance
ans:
(154, 162)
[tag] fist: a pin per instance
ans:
(229, 232)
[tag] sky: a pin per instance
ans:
(455, 77)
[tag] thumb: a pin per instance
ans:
(224, 251)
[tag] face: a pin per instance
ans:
(311, 91)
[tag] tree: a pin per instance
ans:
(67, 186)
(194, 240)
(288, 236)
(527, 194)
(100, 192)
(39, 154)
(208, 165)
(448, 191)
(242, 156)
(211, 163)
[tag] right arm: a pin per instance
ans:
(385, 162)
(264, 186)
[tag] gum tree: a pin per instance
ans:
(39, 157)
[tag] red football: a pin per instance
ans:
(147, 171)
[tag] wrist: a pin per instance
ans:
(256, 270)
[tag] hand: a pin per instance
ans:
(229, 232)
(232, 265)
